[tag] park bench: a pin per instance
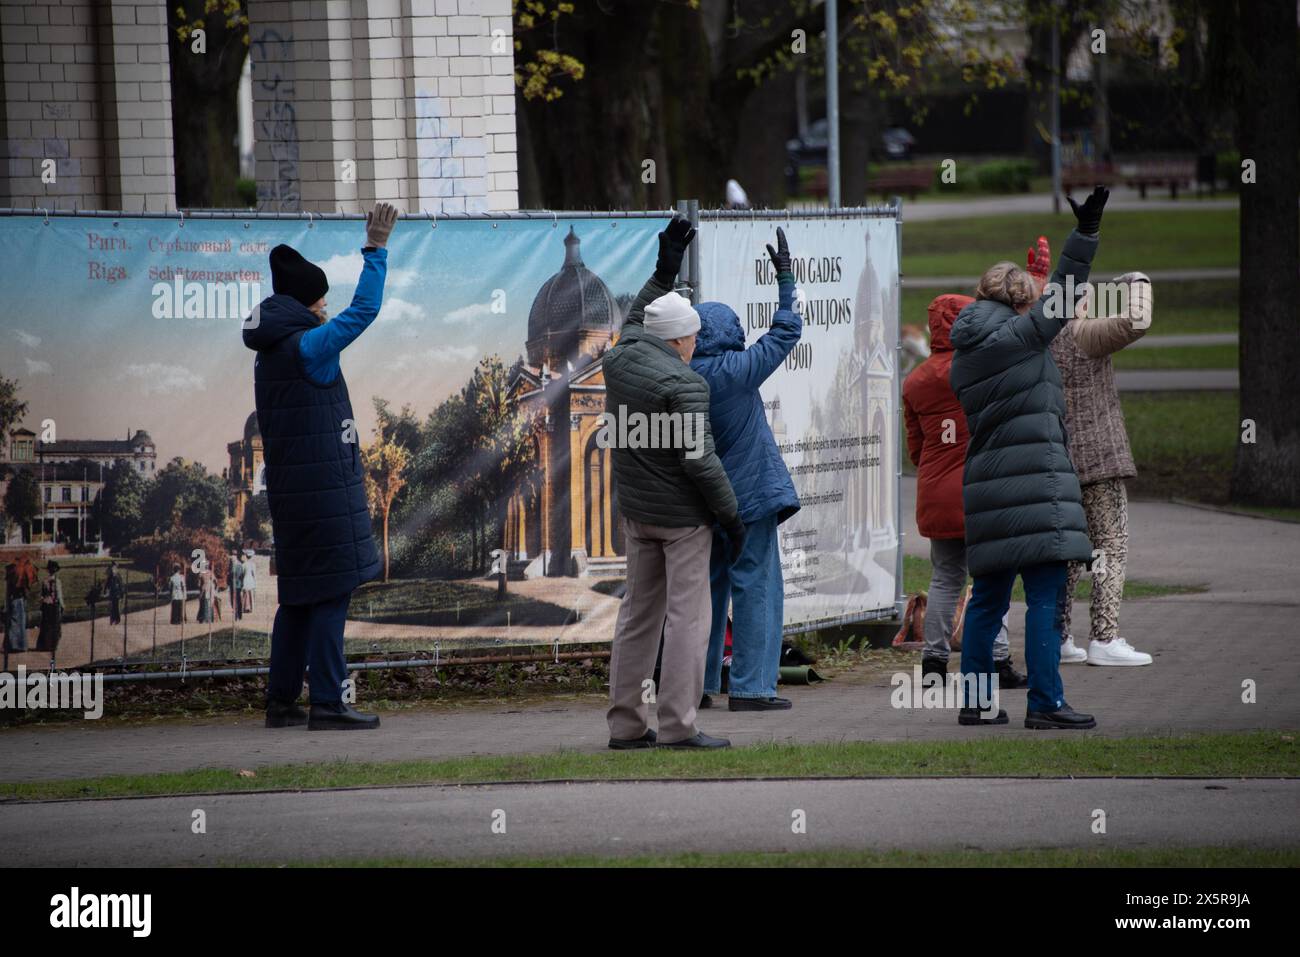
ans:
(888, 180)
(1086, 175)
(1158, 172)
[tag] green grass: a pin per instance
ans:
(1159, 239)
(430, 601)
(1177, 357)
(1144, 857)
(1194, 306)
(917, 570)
(1183, 443)
(1256, 754)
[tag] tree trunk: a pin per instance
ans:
(1267, 471)
(205, 137)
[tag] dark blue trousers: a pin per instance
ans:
(989, 601)
(309, 636)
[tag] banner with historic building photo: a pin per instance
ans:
(132, 453)
(833, 405)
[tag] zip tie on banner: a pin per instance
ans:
(557, 651)
(437, 654)
(46, 212)
(310, 218)
(185, 664)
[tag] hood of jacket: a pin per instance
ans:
(979, 320)
(719, 330)
(943, 313)
(278, 317)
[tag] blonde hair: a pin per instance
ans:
(1007, 283)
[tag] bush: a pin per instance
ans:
(1004, 176)
(247, 190)
(160, 553)
(1227, 169)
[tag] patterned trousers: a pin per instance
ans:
(1105, 504)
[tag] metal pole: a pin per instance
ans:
(1056, 110)
(832, 104)
(693, 251)
(900, 599)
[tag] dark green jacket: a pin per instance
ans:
(663, 486)
(1021, 496)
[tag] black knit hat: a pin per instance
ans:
(292, 275)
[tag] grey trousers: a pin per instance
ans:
(947, 582)
(667, 578)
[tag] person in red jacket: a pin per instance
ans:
(936, 442)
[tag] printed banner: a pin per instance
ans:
(832, 406)
(133, 459)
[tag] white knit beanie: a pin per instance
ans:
(671, 316)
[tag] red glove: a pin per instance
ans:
(1040, 261)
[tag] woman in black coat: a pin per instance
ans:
(1023, 507)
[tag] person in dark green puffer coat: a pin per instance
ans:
(1023, 507)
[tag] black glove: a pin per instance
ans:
(1089, 214)
(672, 249)
(781, 254)
(736, 537)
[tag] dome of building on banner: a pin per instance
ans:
(570, 307)
(251, 428)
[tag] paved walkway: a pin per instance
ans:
(1121, 199)
(1178, 380)
(1186, 339)
(611, 819)
(1156, 275)
(1205, 646)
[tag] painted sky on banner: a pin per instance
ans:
(79, 335)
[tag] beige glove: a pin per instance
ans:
(379, 224)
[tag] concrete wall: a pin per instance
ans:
(409, 101)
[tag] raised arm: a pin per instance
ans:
(320, 347)
(674, 239)
(749, 368)
(1036, 328)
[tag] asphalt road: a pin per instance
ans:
(608, 819)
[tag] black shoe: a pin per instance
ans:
(646, 740)
(759, 704)
(1009, 677)
(706, 702)
(972, 716)
(934, 666)
(701, 740)
(340, 717)
(1065, 718)
(284, 714)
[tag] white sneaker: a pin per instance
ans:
(1071, 655)
(1117, 651)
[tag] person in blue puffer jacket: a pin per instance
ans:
(764, 490)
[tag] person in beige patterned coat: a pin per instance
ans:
(1099, 449)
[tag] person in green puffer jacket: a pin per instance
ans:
(670, 495)
(1021, 498)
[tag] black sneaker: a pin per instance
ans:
(1064, 718)
(1009, 677)
(706, 702)
(759, 704)
(701, 741)
(284, 714)
(646, 740)
(974, 716)
(340, 717)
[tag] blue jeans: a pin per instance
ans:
(309, 635)
(990, 599)
(757, 590)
